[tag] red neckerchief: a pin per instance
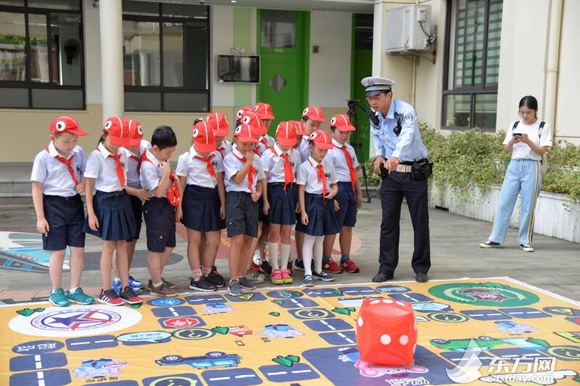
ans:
(209, 164)
(68, 163)
(288, 171)
(251, 172)
(351, 168)
(321, 177)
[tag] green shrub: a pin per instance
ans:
(472, 158)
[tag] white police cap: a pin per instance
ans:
(374, 85)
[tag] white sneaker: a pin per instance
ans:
(526, 248)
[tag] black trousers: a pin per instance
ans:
(393, 189)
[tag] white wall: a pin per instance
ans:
(222, 40)
(330, 69)
(92, 52)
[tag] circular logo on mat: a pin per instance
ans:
(484, 294)
(76, 321)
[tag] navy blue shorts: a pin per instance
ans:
(137, 206)
(66, 218)
(241, 214)
(346, 198)
(321, 216)
(201, 209)
(115, 215)
(282, 204)
(160, 221)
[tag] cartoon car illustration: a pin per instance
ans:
(484, 343)
(98, 368)
(211, 359)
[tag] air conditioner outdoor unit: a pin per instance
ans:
(408, 28)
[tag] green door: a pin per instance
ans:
(283, 50)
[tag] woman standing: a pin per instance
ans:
(527, 140)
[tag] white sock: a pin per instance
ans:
(318, 244)
(273, 247)
(284, 255)
(307, 248)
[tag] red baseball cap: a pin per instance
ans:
(219, 123)
(242, 110)
(299, 127)
(314, 113)
(286, 134)
(203, 137)
(118, 131)
(264, 110)
(66, 124)
(135, 132)
(246, 133)
(252, 119)
(321, 139)
(341, 122)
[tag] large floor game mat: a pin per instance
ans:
(470, 331)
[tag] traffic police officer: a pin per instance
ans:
(398, 147)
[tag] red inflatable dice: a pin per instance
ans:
(386, 332)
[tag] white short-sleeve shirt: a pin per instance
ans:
(522, 150)
(195, 170)
(335, 156)
(273, 163)
(308, 176)
(104, 170)
(233, 164)
(54, 175)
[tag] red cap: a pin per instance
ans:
(118, 131)
(135, 132)
(219, 123)
(299, 126)
(66, 124)
(321, 139)
(203, 137)
(242, 110)
(314, 113)
(264, 110)
(342, 123)
(252, 119)
(246, 133)
(286, 134)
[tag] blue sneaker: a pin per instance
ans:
(323, 275)
(57, 298)
(79, 296)
(308, 281)
(116, 285)
(134, 283)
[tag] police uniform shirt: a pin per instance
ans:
(407, 146)
(104, 169)
(308, 176)
(133, 164)
(273, 163)
(195, 170)
(336, 157)
(522, 150)
(151, 173)
(54, 175)
(304, 148)
(232, 165)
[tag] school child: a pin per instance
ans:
(221, 129)
(280, 163)
(159, 211)
(109, 212)
(349, 197)
(202, 207)
(57, 181)
(312, 118)
(264, 111)
(133, 153)
(316, 190)
(243, 183)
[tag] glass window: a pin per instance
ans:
(166, 58)
(41, 51)
(278, 29)
(472, 73)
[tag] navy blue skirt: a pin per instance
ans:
(201, 209)
(321, 216)
(115, 215)
(282, 204)
(137, 206)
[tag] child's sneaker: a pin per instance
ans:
(129, 297)
(254, 276)
(289, 267)
(110, 297)
(215, 278)
(324, 276)
(134, 283)
(308, 281)
(331, 267)
(168, 283)
(349, 266)
(265, 267)
(116, 285)
(234, 288)
(201, 284)
(79, 296)
(162, 290)
(299, 265)
(57, 298)
(276, 277)
(287, 276)
(246, 283)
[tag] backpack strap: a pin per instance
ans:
(542, 123)
(516, 123)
